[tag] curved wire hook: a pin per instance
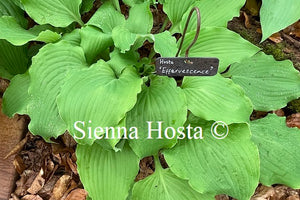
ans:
(185, 29)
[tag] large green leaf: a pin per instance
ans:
(13, 60)
(18, 3)
(278, 14)
(140, 20)
(165, 44)
(15, 98)
(9, 8)
(119, 61)
(106, 18)
(47, 76)
(93, 42)
(106, 174)
(225, 11)
(161, 102)
(270, 84)
(73, 38)
(136, 28)
(96, 97)
(219, 42)
(15, 34)
(279, 151)
(112, 143)
(126, 40)
(55, 12)
(217, 98)
(162, 185)
(175, 10)
(228, 166)
(133, 2)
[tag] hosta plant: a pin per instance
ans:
(97, 78)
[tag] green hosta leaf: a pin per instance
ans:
(162, 102)
(106, 18)
(111, 143)
(13, 60)
(47, 75)
(100, 99)
(15, 98)
(219, 42)
(217, 98)
(19, 4)
(165, 44)
(131, 3)
(228, 166)
(276, 15)
(119, 61)
(270, 84)
(73, 38)
(140, 19)
(125, 40)
(93, 42)
(175, 10)
(225, 11)
(116, 4)
(279, 151)
(15, 34)
(56, 12)
(136, 29)
(162, 185)
(9, 8)
(106, 174)
(86, 6)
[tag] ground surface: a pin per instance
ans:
(48, 171)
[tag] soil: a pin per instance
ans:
(48, 171)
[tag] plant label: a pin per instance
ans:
(176, 66)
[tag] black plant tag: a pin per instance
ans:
(179, 66)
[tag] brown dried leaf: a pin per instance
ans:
(280, 193)
(19, 164)
(17, 148)
(293, 29)
(24, 182)
(78, 194)
(222, 197)
(253, 7)
(14, 197)
(37, 184)
(32, 197)
(276, 37)
(293, 120)
(279, 113)
(3, 85)
(72, 165)
(46, 191)
(247, 21)
(57, 148)
(68, 140)
(263, 193)
(258, 30)
(73, 185)
(294, 197)
(60, 187)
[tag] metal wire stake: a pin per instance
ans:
(185, 29)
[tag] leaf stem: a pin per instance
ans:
(157, 163)
(164, 25)
(152, 53)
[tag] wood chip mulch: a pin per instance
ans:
(47, 171)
